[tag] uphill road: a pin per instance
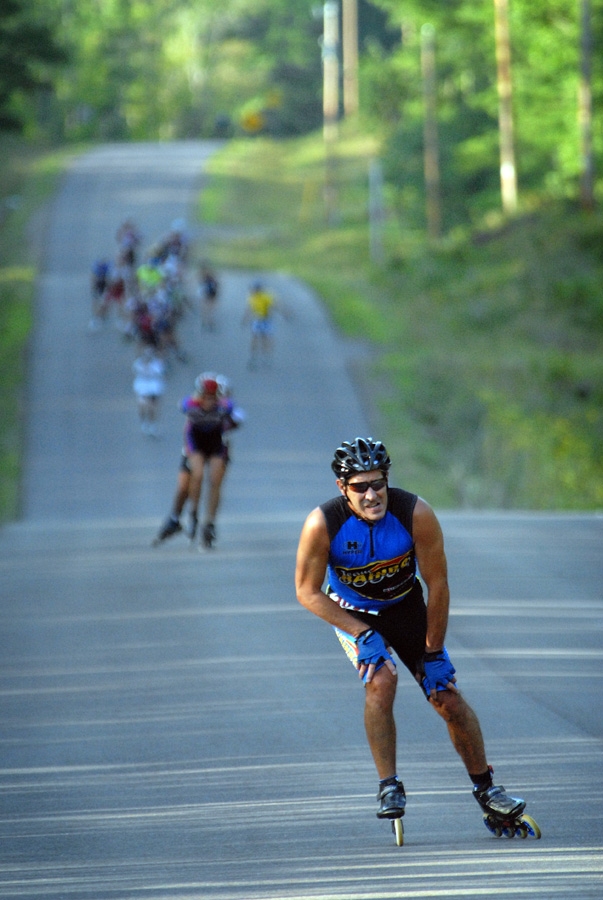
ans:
(174, 724)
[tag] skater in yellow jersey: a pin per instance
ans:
(259, 314)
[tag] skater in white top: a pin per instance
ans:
(149, 386)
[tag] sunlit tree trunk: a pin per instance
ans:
(585, 108)
(431, 162)
(508, 173)
(330, 52)
(330, 62)
(350, 57)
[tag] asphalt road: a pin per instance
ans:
(174, 725)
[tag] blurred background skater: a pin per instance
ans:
(149, 386)
(207, 292)
(207, 422)
(172, 524)
(128, 239)
(175, 243)
(115, 298)
(259, 315)
(99, 280)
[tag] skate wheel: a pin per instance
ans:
(398, 830)
(508, 831)
(528, 827)
(493, 826)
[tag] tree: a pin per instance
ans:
(585, 104)
(549, 157)
(508, 177)
(29, 54)
(176, 68)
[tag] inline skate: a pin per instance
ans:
(172, 526)
(209, 535)
(392, 804)
(503, 815)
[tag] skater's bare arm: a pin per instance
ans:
(312, 559)
(431, 559)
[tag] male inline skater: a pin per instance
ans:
(372, 540)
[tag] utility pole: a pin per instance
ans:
(585, 108)
(508, 173)
(431, 163)
(350, 57)
(330, 68)
(330, 102)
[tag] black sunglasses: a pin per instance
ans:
(361, 487)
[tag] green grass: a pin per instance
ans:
(486, 378)
(27, 179)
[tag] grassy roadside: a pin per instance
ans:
(28, 177)
(486, 358)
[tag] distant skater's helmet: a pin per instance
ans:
(206, 383)
(360, 455)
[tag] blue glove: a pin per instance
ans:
(435, 671)
(372, 650)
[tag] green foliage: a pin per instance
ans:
(484, 352)
(177, 68)
(173, 68)
(27, 176)
(289, 221)
(549, 460)
(29, 53)
(545, 56)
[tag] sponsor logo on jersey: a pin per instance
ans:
(352, 546)
(381, 580)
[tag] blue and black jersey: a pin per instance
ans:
(371, 565)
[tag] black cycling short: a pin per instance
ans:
(403, 627)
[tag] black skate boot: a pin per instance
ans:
(504, 815)
(494, 800)
(171, 526)
(392, 801)
(209, 534)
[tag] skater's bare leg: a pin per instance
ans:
(267, 346)
(217, 470)
(463, 728)
(197, 465)
(379, 721)
(181, 495)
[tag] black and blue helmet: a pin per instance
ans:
(360, 455)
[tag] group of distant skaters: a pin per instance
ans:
(147, 298)
(211, 414)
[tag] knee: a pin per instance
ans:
(380, 693)
(450, 706)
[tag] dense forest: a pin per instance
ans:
(73, 70)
